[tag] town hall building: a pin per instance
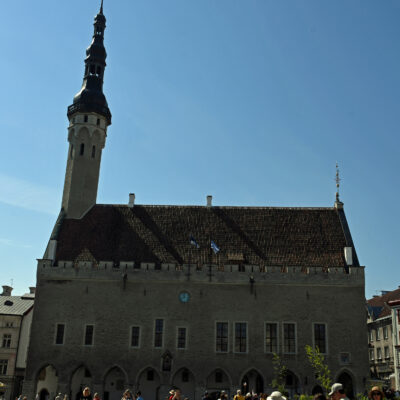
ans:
(196, 297)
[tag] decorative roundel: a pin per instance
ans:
(184, 297)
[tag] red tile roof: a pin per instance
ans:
(380, 302)
(160, 234)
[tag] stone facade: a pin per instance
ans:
(134, 296)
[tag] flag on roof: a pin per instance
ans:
(193, 242)
(214, 247)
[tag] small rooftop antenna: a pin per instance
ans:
(337, 179)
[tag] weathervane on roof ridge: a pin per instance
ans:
(337, 179)
(338, 203)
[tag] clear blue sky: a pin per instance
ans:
(252, 101)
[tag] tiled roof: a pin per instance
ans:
(15, 305)
(160, 234)
(378, 303)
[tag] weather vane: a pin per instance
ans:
(337, 179)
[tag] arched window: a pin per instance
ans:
(98, 72)
(93, 151)
(85, 118)
(92, 69)
(82, 149)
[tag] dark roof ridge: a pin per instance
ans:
(226, 207)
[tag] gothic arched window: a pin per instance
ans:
(82, 149)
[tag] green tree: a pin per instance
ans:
(280, 372)
(317, 361)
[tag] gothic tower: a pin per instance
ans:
(89, 117)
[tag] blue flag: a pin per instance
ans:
(193, 242)
(214, 247)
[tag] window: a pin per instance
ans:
(85, 118)
(218, 376)
(289, 338)
(385, 332)
(89, 335)
(82, 149)
(320, 337)
(98, 121)
(181, 339)
(221, 343)
(185, 375)
(158, 333)
(271, 337)
(371, 335)
(135, 336)
(378, 333)
(240, 337)
(93, 151)
(371, 354)
(60, 328)
(344, 358)
(387, 354)
(150, 375)
(7, 340)
(379, 353)
(3, 367)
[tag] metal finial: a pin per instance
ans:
(101, 7)
(337, 182)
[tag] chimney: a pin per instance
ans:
(7, 290)
(32, 289)
(209, 201)
(131, 199)
(348, 255)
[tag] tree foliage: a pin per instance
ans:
(280, 372)
(317, 361)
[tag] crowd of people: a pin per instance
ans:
(337, 393)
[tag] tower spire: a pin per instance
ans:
(91, 97)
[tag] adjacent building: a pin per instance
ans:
(395, 307)
(382, 336)
(15, 324)
(196, 297)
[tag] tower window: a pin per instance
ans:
(98, 121)
(92, 69)
(82, 149)
(98, 72)
(93, 151)
(86, 118)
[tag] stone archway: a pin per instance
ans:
(47, 382)
(114, 384)
(347, 381)
(252, 381)
(218, 380)
(79, 380)
(292, 384)
(184, 380)
(148, 383)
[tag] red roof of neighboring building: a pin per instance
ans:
(380, 302)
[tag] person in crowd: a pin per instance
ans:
(177, 395)
(139, 395)
(238, 395)
(59, 396)
(127, 395)
(86, 394)
(206, 396)
(171, 394)
(276, 396)
(223, 395)
(96, 396)
(337, 392)
(376, 393)
(319, 396)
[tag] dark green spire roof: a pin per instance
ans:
(91, 97)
